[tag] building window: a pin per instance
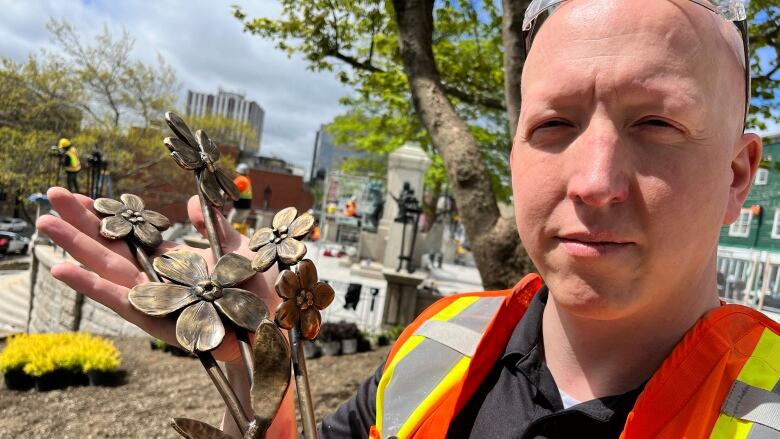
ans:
(762, 176)
(741, 227)
(776, 225)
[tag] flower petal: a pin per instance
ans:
(207, 146)
(227, 185)
(199, 328)
(147, 234)
(301, 226)
(264, 258)
(184, 155)
(115, 227)
(160, 299)
(191, 428)
(180, 128)
(284, 217)
(261, 237)
(210, 187)
(323, 295)
(108, 206)
(287, 314)
(182, 266)
(271, 371)
(242, 307)
(133, 202)
(287, 284)
(308, 274)
(310, 323)
(291, 251)
(232, 269)
(156, 219)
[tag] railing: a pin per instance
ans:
(750, 277)
(363, 307)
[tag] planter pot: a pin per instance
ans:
(58, 379)
(106, 378)
(331, 347)
(363, 345)
(16, 379)
(349, 346)
(311, 350)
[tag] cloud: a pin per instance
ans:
(206, 47)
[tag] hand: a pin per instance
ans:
(111, 270)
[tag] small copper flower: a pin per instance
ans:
(199, 153)
(303, 297)
(199, 327)
(129, 215)
(281, 240)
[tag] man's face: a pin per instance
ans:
(629, 154)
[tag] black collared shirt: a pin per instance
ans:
(518, 399)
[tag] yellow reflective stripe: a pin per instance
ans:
(728, 427)
(454, 376)
(762, 369)
(454, 308)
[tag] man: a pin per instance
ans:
(71, 163)
(243, 206)
(629, 157)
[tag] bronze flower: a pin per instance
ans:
(303, 297)
(281, 240)
(129, 215)
(199, 153)
(199, 327)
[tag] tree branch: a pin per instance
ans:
(485, 101)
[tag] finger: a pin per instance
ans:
(106, 263)
(229, 237)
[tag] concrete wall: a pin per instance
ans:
(56, 307)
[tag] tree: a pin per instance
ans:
(764, 61)
(443, 60)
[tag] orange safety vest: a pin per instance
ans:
(721, 381)
(74, 164)
(244, 185)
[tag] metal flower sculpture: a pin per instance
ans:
(128, 216)
(281, 241)
(198, 327)
(199, 153)
(303, 297)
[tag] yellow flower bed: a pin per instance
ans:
(38, 354)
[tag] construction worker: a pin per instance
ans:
(350, 209)
(243, 206)
(70, 163)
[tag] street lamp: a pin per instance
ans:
(267, 197)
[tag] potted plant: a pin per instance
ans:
(102, 366)
(349, 337)
(363, 342)
(311, 349)
(12, 361)
(330, 338)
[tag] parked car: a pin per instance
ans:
(12, 224)
(13, 243)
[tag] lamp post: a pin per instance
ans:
(408, 212)
(267, 197)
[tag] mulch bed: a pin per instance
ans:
(159, 386)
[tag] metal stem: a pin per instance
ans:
(305, 404)
(143, 260)
(227, 393)
(242, 336)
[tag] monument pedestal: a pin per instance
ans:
(401, 298)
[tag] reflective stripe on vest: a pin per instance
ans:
(430, 363)
(752, 408)
(74, 164)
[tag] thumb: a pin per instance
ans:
(229, 238)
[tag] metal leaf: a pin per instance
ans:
(287, 284)
(307, 272)
(182, 266)
(160, 299)
(284, 217)
(180, 128)
(272, 373)
(310, 323)
(261, 237)
(287, 314)
(192, 429)
(227, 185)
(115, 227)
(147, 234)
(301, 226)
(199, 328)
(232, 269)
(184, 155)
(264, 258)
(210, 188)
(156, 219)
(242, 307)
(133, 202)
(291, 251)
(207, 146)
(107, 206)
(323, 295)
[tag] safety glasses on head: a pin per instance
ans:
(731, 10)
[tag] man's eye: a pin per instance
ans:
(553, 124)
(657, 123)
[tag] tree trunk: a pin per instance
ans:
(514, 57)
(500, 257)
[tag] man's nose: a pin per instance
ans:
(599, 164)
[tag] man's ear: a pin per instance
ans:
(743, 169)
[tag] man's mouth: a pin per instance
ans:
(589, 245)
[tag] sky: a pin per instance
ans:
(206, 47)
